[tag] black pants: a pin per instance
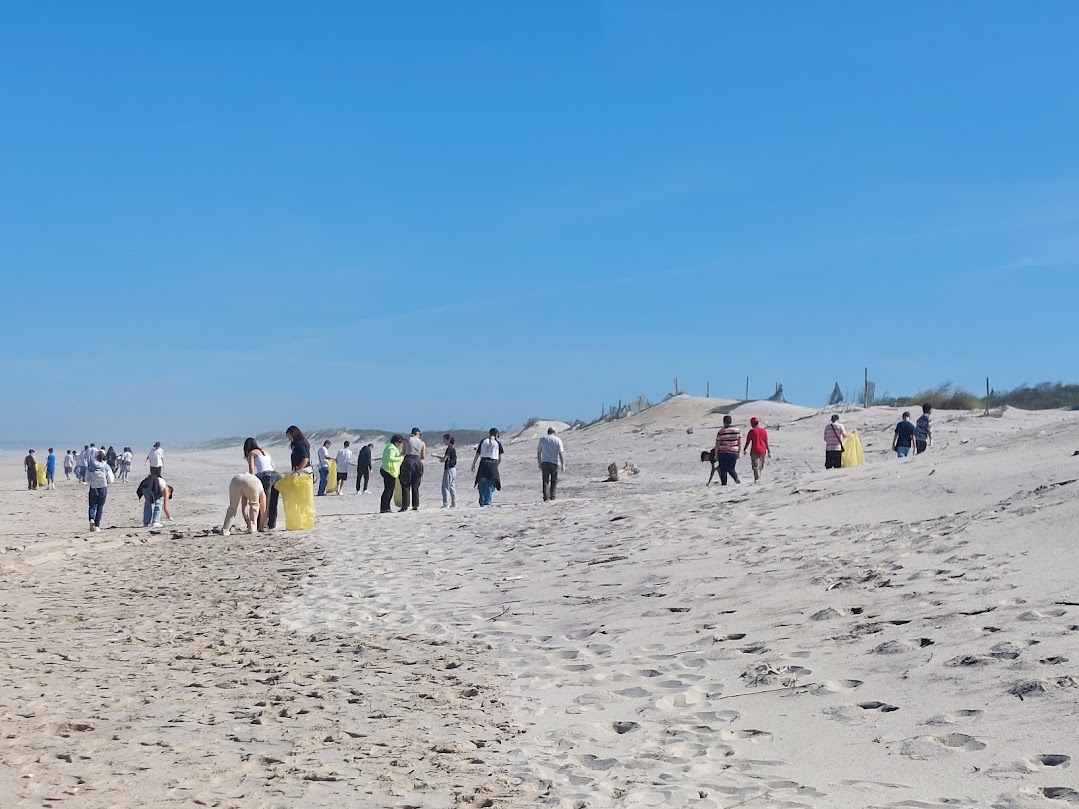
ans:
(550, 480)
(727, 463)
(411, 475)
(31, 479)
(272, 495)
(389, 483)
(363, 478)
(155, 471)
(833, 459)
(921, 446)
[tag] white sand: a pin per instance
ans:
(904, 634)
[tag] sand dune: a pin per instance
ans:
(903, 634)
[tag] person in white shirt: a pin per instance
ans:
(156, 459)
(69, 464)
(261, 466)
(551, 458)
(126, 458)
(344, 458)
(323, 467)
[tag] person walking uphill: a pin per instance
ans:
(834, 434)
(412, 470)
(391, 470)
(363, 468)
(903, 441)
(757, 447)
(923, 430)
(489, 454)
(30, 465)
(728, 448)
(449, 472)
(98, 477)
(550, 455)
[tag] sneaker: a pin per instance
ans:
(157, 525)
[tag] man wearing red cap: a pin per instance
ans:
(757, 447)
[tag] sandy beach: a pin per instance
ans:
(901, 634)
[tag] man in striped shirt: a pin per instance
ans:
(728, 448)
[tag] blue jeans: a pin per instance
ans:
(151, 509)
(902, 452)
(323, 475)
(97, 505)
(487, 489)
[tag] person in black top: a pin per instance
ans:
(301, 449)
(904, 437)
(363, 467)
(30, 462)
(449, 472)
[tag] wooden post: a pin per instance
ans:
(988, 395)
(747, 389)
(707, 390)
(676, 386)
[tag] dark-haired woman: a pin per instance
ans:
(392, 458)
(449, 472)
(260, 465)
(301, 450)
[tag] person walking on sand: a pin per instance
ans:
(127, 457)
(834, 434)
(903, 440)
(98, 477)
(82, 461)
(69, 463)
(323, 467)
(261, 466)
(551, 458)
(728, 448)
(923, 430)
(156, 459)
(155, 493)
(412, 470)
(392, 457)
(757, 447)
(363, 468)
(449, 472)
(50, 469)
(246, 494)
(30, 465)
(488, 458)
(344, 458)
(110, 458)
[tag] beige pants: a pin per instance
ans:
(757, 462)
(244, 490)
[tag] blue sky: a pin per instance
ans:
(222, 218)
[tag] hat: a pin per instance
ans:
(754, 421)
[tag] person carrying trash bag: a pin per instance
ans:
(296, 489)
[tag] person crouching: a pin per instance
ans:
(246, 492)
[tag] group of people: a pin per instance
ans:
(909, 437)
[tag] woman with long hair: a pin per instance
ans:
(261, 466)
(301, 449)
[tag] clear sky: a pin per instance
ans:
(222, 218)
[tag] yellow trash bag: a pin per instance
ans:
(41, 479)
(299, 497)
(331, 478)
(398, 497)
(852, 451)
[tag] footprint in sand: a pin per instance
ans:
(926, 747)
(1052, 760)
(1066, 794)
(955, 717)
(874, 705)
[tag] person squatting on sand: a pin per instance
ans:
(412, 470)
(344, 459)
(98, 477)
(323, 467)
(923, 430)
(449, 472)
(246, 492)
(728, 448)
(363, 468)
(155, 493)
(834, 434)
(550, 456)
(758, 448)
(260, 465)
(903, 440)
(489, 454)
(390, 469)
